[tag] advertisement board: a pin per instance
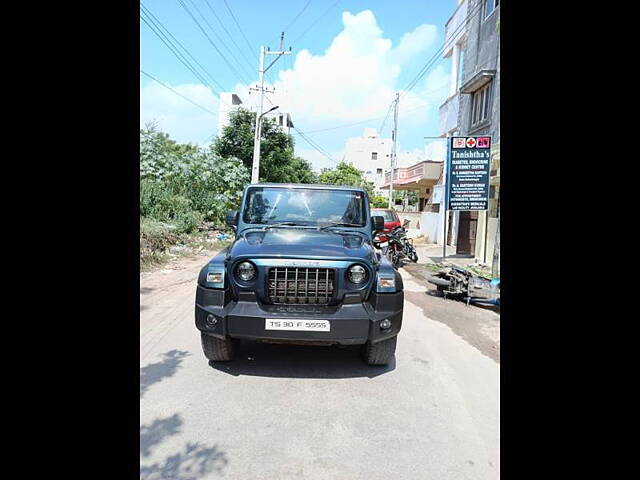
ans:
(468, 165)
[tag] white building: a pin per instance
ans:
(370, 154)
(283, 120)
(230, 102)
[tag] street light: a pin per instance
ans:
(255, 168)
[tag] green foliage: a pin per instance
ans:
(345, 174)
(378, 201)
(184, 184)
(277, 161)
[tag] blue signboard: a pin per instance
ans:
(468, 164)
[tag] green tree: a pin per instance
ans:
(182, 184)
(345, 174)
(277, 161)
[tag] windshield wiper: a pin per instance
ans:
(281, 224)
(339, 225)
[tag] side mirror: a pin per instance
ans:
(377, 222)
(232, 218)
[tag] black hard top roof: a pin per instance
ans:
(322, 186)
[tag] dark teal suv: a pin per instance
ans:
(303, 270)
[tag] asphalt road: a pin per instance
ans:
(293, 412)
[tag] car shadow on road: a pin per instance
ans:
(299, 361)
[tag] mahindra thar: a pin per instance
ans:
(302, 269)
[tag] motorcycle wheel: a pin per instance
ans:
(413, 256)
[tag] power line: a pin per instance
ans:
(315, 21)
(251, 49)
(177, 93)
(177, 53)
(158, 24)
(315, 146)
(297, 16)
(242, 67)
(211, 42)
(229, 34)
(437, 54)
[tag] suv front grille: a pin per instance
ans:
(292, 285)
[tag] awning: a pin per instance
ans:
(478, 81)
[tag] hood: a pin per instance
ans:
(301, 243)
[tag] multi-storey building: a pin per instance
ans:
(472, 40)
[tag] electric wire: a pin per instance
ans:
(238, 76)
(240, 65)
(160, 27)
(315, 22)
(178, 54)
(178, 93)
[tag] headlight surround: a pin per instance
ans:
(245, 271)
(357, 274)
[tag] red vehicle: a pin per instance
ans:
(391, 220)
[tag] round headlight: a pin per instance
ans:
(246, 271)
(357, 274)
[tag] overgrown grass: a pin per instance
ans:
(161, 242)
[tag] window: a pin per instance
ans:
(374, 155)
(379, 171)
(481, 104)
(490, 6)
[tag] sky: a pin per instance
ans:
(349, 58)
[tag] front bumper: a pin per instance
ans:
(353, 322)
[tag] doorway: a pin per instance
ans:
(467, 228)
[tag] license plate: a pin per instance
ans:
(295, 324)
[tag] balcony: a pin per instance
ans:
(452, 33)
(449, 114)
(423, 173)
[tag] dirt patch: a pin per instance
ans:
(480, 327)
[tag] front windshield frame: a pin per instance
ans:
(357, 216)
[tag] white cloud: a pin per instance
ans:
(354, 79)
(182, 120)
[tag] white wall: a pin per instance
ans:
(431, 227)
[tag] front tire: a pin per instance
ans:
(380, 353)
(216, 349)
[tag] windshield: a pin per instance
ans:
(303, 206)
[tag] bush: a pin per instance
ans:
(378, 201)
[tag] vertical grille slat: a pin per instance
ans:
(294, 285)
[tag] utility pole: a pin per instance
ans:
(255, 168)
(394, 136)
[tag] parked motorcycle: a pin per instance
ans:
(396, 246)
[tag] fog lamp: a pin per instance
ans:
(211, 320)
(384, 324)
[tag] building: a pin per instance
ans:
(371, 154)
(473, 108)
(230, 102)
(283, 120)
(421, 177)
